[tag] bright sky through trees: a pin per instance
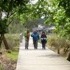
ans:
(33, 1)
(3, 15)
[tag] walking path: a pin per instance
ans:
(40, 59)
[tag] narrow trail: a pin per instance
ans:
(40, 59)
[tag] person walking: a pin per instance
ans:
(27, 35)
(43, 39)
(35, 36)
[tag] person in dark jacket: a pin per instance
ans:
(43, 39)
(35, 36)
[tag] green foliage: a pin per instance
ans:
(59, 43)
(62, 23)
(19, 28)
(13, 55)
(40, 9)
(3, 27)
(57, 15)
(10, 7)
(13, 40)
(54, 11)
(66, 5)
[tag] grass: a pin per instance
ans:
(13, 40)
(1, 67)
(13, 55)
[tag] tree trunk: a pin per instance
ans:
(2, 38)
(5, 42)
(68, 57)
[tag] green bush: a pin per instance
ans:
(13, 41)
(59, 43)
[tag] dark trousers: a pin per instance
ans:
(35, 44)
(26, 44)
(43, 45)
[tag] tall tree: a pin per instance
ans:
(9, 7)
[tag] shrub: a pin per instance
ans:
(13, 40)
(59, 43)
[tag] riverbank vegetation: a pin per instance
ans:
(8, 58)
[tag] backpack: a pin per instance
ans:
(35, 36)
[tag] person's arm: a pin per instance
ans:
(41, 37)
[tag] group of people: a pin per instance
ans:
(36, 38)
